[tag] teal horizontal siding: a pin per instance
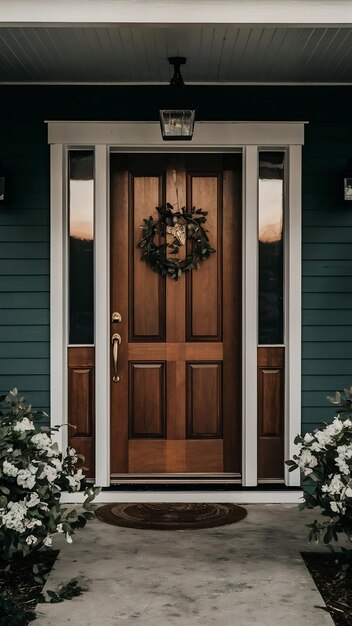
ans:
(328, 268)
(327, 271)
(20, 367)
(327, 334)
(24, 261)
(24, 350)
(24, 250)
(14, 267)
(25, 300)
(24, 333)
(24, 234)
(327, 367)
(15, 317)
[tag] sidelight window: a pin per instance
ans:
(81, 242)
(271, 247)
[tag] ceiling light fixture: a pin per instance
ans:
(177, 123)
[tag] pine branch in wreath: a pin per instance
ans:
(188, 226)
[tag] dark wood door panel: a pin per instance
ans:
(147, 289)
(271, 362)
(177, 405)
(81, 403)
(147, 400)
(204, 400)
(171, 456)
(203, 301)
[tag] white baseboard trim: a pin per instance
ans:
(236, 497)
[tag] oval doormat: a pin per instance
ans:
(167, 516)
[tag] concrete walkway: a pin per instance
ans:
(239, 575)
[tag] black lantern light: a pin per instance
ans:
(177, 123)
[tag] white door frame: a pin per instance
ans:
(145, 137)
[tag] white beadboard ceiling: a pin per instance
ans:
(138, 54)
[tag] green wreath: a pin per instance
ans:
(185, 226)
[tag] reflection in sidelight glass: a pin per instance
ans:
(81, 231)
(271, 253)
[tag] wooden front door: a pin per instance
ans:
(177, 405)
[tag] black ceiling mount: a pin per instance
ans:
(177, 80)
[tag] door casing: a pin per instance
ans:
(145, 137)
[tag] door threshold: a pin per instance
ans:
(175, 479)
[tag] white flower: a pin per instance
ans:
(347, 423)
(308, 438)
(49, 472)
(345, 451)
(72, 452)
(337, 507)
(25, 479)
(57, 464)
(335, 487)
(348, 492)
(307, 459)
(9, 469)
(75, 480)
(34, 500)
(22, 425)
(307, 471)
(14, 519)
(48, 541)
(31, 539)
(69, 538)
(315, 447)
(43, 442)
(342, 465)
(323, 438)
(59, 528)
(34, 522)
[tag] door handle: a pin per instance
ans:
(116, 342)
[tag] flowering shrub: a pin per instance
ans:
(33, 474)
(325, 457)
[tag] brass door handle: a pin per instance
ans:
(116, 342)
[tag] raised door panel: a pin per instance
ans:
(270, 413)
(147, 400)
(204, 297)
(81, 409)
(204, 400)
(147, 288)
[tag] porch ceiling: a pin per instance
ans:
(138, 54)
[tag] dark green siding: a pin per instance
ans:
(327, 226)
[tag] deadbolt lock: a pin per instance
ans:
(116, 317)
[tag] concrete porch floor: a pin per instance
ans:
(247, 573)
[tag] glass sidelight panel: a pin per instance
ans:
(81, 242)
(271, 252)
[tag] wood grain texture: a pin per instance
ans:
(147, 400)
(152, 422)
(175, 456)
(271, 410)
(81, 403)
(204, 302)
(147, 289)
(232, 312)
(204, 400)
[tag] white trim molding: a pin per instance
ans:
(293, 320)
(293, 497)
(247, 137)
(58, 314)
(109, 12)
(249, 315)
(143, 135)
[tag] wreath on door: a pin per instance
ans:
(186, 227)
